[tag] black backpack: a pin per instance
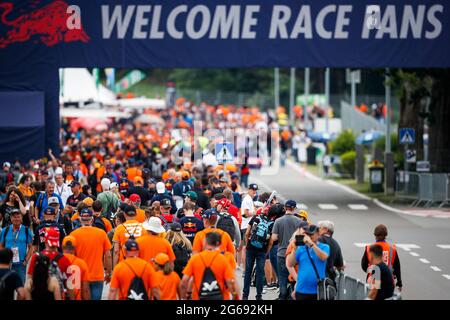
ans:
(137, 290)
(98, 223)
(209, 287)
(226, 224)
(182, 256)
(3, 288)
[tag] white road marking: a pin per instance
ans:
(435, 268)
(414, 254)
(302, 206)
(446, 276)
(361, 244)
(407, 247)
(358, 207)
(423, 260)
(327, 206)
(443, 246)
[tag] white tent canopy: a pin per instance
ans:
(78, 85)
(91, 113)
(142, 103)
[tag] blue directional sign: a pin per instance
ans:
(224, 152)
(407, 136)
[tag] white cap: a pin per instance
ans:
(6, 164)
(58, 171)
(114, 185)
(106, 184)
(160, 187)
(153, 224)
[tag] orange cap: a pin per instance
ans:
(161, 259)
(88, 201)
(69, 241)
(138, 179)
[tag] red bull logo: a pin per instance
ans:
(47, 25)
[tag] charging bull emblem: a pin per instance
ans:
(48, 25)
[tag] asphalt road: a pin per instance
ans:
(424, 242)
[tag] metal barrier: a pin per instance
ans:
(358, 121)
(425, 189)
(349, 288)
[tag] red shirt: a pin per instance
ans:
(63, 262)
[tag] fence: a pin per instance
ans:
(424, 189)
(349, 288)
(358, 121)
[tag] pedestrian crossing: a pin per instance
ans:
(351, 206)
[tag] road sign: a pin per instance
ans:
(407, 136)
(423, 166)
(224, 152)
(129, 80)
(356, 74)
(411, 156)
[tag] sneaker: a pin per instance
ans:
(272, 286)
(264, 291)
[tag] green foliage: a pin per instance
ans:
(348, 160)
(344, 142)
(396, 149)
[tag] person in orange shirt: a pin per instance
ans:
(169, 281)
(97, 211)
(135, 200)
(77, 272)
(123, 232)
(93, 247)
(127, 270)
(217, 263)
(209, 220)
(152, 243)
(133, 171)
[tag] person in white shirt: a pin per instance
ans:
(247, 211)
(61, 189)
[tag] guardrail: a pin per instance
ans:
(424, 189)
(349, 288)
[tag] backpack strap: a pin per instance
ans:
(313, 264)
(4, 234)
(6, 275)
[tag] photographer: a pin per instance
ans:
(311, 256)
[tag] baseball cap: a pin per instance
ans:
(175, 227)
(74, 183)
(88, 201)
(135, 198)
(185, 175)
(191, 195)
(52, 200)
(253, 186)
(138, 180)
(234, 176)
(130, 210)
(131, 245)
(160, 187)
(6, 164)
(50, 211)
(161, 259)
(86, 214)
(290, 204)
(69, 241)
(304, 225)
(209, 213)
(153, 224)
(303, 214)
(59, 171)
(165, 203)
(114, 185)
(224, 202)
(52, 237)
(311, 229)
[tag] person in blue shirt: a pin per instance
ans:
(19, 239)
(310, 252)
(42, 200)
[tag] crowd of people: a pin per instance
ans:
(113, 208)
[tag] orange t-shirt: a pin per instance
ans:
(123, 232)
(168, 285)
(226, 245)
(125, 271)
(219, 266)
(133, 172)
(140, 215)
(150, 246)
(77, 273)
(92, 244)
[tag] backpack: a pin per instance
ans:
(186, 186)
(260, 233)
(209, 287)
(3, 285)
(137, 290)
(226, 224)
(5, 233)
(182, 256)
(98, 223)
(55, 271)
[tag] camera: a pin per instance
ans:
(299, 240)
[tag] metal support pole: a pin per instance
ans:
(305, 111)
(353, 88)
(277, 87)
(327, 98)
(387, 79)
(292, 97)
(389, 178)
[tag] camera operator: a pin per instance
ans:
(312, 256)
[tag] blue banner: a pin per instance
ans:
(231, 33)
